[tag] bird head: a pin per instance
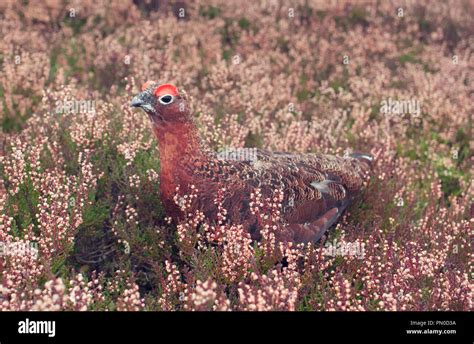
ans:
(163, 103)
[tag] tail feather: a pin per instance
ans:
(366, 157)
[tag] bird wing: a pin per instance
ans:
(316, 188)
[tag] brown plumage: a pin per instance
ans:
(316, 187)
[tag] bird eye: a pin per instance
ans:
(166, 99)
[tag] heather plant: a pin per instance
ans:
(79, 169)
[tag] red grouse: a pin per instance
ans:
(316, 187)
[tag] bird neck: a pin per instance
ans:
(179, 143)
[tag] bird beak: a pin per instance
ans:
(145, 99)
(137, 101)
(145, 102)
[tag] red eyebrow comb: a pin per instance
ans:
(166, 89)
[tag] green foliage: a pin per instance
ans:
(209, 11)
(244, 23)
(76, 23)
(357, 16)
